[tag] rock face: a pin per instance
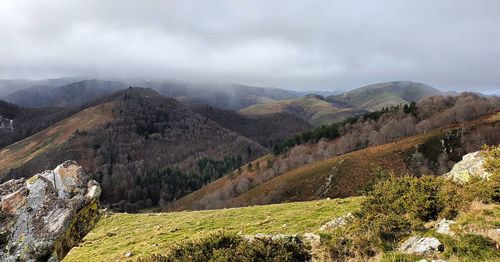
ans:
(471, 165)
(43, 217)
(421, 245)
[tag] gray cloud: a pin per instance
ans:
(287, 43)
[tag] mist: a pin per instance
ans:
(313, 45)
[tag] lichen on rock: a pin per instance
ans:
(43, 217)
(471, 165)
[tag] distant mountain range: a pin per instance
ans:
(74, 94)
(318, 110)
(66, 93)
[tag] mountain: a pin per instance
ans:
(268, 130)
(318, 92)
(312, 108)
(144, 148)
(377, 96)
(340, 160)
(70, 95)
(225, 96)
(76, 91)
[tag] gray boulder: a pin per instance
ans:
(43, 217)
(443, 227)
(471, 165)
(421, 245)
(337, 222)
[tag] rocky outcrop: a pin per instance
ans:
(471, 165)
(337, 222)
(421, 245)
(443, 227)
(43, 217)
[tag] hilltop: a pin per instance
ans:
(70, 95)
(312, 108)
(377, 96)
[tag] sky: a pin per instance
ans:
(302, 45)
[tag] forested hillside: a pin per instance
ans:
(154, 150)
(28, 121)
(225, 96)
(69, 95)
(268, 130)
(318, 163)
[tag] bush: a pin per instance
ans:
(470, 247)
(399, 206)
(475, 246)
(228, 247)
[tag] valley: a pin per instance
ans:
(249, 131)
(172, 170)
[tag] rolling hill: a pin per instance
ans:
(9, 86)
(268, 130)
(18, 154)
(141, 146)
(224, 96)
(22, 122)
(312, 108)
(70, 95)
(377, 96)
(67, 92)
(343, 166)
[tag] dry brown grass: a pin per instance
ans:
(21, 152)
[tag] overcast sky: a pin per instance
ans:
(320, 45)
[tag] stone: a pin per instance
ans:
(43, 217)
(471, 165)
(337, 222)
(312, 238)
(443, 227)
(273, 237)
(6, 125)
(129, 254)
(421, 245)
(13, 201)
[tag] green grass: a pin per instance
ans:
(143, 234)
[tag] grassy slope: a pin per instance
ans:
(153, 233)
(313, 110)
(304, 183)
(376, 96)
(21, 152)
(348, 173)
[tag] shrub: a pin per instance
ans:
(397, 207)
(229, 247)
(470, 247)
(475, 246)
